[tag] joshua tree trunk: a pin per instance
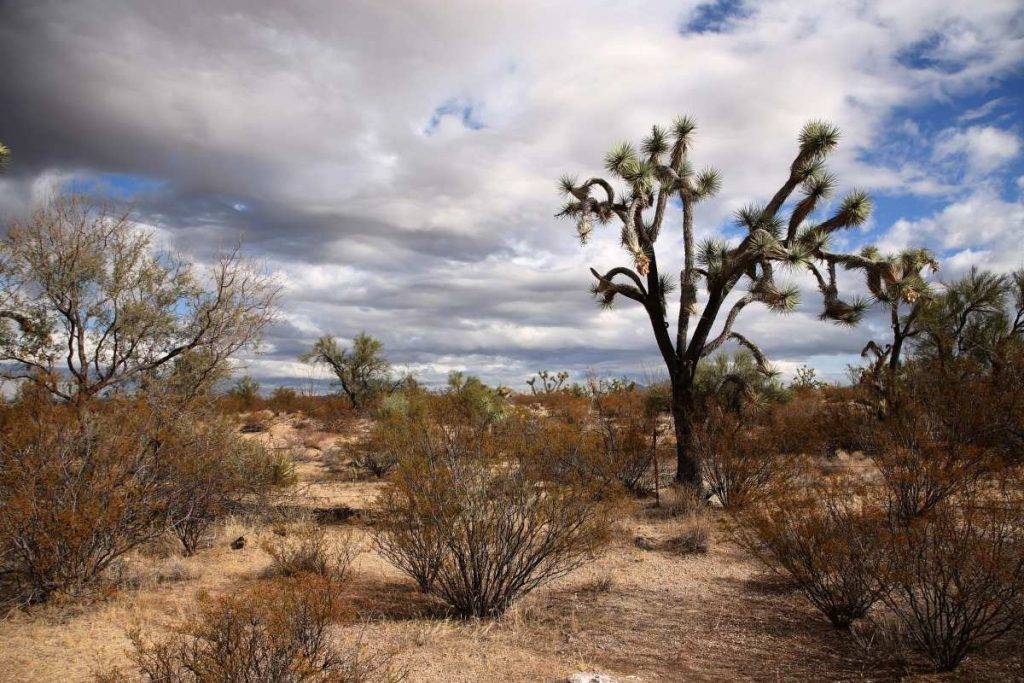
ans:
(688, 469)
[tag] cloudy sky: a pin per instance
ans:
(395, 162)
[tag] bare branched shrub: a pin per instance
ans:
(613, 451)
(957, 577)
(403, 416)
(309, 550)
(379, 453)
(827, 540)
(409, 536)
(78, 491)
(627, 436)
(275, 631)
(741, 462)
(923, 460)
(481, 522)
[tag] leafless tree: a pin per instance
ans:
(88, 305)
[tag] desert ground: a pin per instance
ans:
(640, 611)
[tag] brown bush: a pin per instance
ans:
(378, 454)
(309, 550)
(275, 631)
(465, 508)
(559, 405)
(77, 492)
(957, 577)
(627, 429)
(212, 473)
(741, 461)
(613, 451)
(828, 541)
(923, 459)
(818, 422)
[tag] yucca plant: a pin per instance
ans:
(897, 281)
(659, 171)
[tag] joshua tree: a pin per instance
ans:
(661, 171)
(550, 382)
(362, 370)
(897, 280)
(87, 305)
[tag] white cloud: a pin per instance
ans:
(980, 229)
(983, 148)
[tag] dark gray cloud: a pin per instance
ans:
(395, 161)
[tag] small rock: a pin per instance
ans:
(645, 543)
(238, 543)
(590, 677)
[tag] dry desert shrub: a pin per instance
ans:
(80, 487)
(309, 550)
(957, 578)
(742, 462)
(829, 541)
(465, 515)
(627, 428)
(213, 472)
(613, 451)
(275, 631)
(379, 453)
(408, 537)
(77, 492)
(924, 459)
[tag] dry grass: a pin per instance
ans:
(655, 615)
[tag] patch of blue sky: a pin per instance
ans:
(715, 17)
(117, 186)
(911, 133)
(923, 55)
(464, 110)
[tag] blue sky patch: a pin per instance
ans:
(715, 17)
(464, 110)
(117, 186)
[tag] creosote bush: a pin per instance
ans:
(828, 541)
(275, 631)
(77, 492)
(957, 578)
(741, 459)
(924, 459)
(627, 427)
(467, 517)
(213, 473)
(80, 488)
(309, 550)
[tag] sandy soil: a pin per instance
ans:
(639, 615)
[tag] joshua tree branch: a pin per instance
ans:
(730, 319)
(762, 361)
